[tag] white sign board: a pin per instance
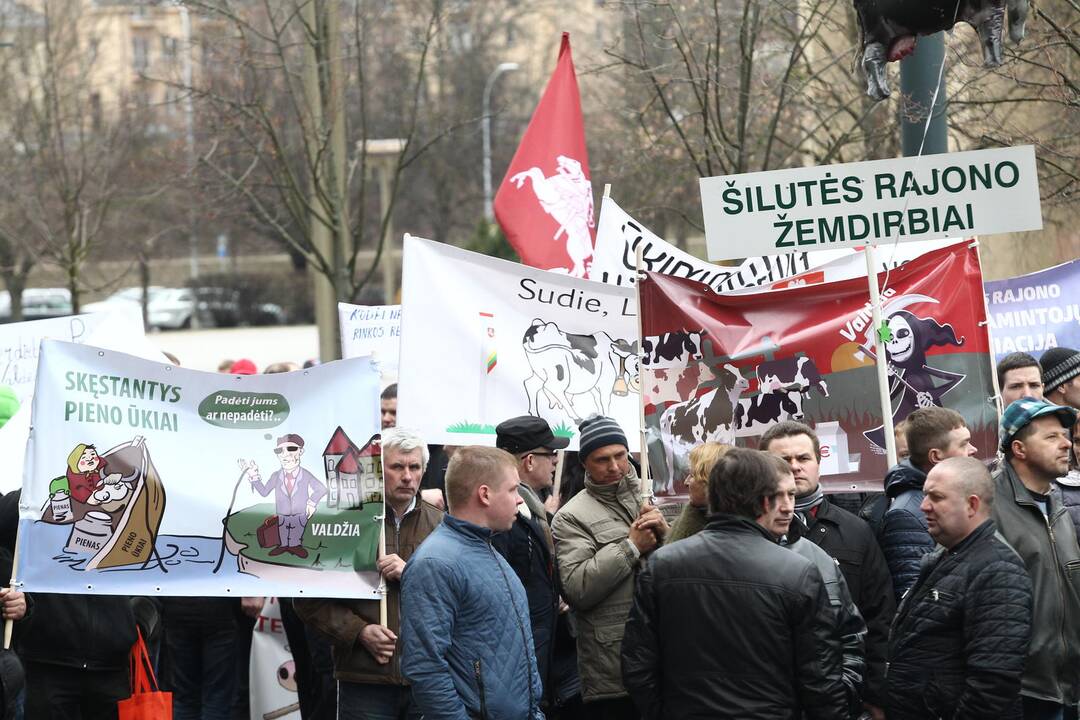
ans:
(272, 693)
(372, 330)
(484, 340)
(19, 342)
(980, 192)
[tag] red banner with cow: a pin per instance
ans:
(725, 368)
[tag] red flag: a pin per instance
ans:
(544, 204)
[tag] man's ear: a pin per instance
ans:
(935, 455)
(1018, 449)
(974, 504)
(483, 493)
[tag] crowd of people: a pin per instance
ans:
(953, 594)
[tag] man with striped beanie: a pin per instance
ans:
(601, 535)
(1061, 376)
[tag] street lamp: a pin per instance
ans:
(503, 67)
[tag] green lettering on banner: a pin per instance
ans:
(244, 410)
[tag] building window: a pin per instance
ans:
(140, 53)
(168, 48)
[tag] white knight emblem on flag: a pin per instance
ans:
(567, 197)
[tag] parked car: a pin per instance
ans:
(167, 308)
(38, 304)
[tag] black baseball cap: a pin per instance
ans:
(527, 432)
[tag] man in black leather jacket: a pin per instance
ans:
(729, 624)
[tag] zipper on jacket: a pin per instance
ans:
(480, 688)
(1061, 581)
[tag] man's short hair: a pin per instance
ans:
(927, 429)
(742, 480)
(390, 393)
(405, 440)
(471, 467)
(790, 428)
(1015, 361)
(972, 477)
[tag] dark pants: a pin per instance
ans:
(315, 684)
(204, 676)
(56, 692)
(358, 701)
(613, 709)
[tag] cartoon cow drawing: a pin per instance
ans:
(782, 387)
(709, 418)
(674, 349)
(799, 371)
(566, 365)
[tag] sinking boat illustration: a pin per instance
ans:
(117, 523)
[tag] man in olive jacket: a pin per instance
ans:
(1035, 437)
(600, 537)
(366, 663)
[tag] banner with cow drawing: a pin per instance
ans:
(725, 368)
(484, 340)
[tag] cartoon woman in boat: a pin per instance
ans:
(89, 483)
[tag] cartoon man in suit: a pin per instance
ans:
(296, 493)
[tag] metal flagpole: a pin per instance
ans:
(881, 360)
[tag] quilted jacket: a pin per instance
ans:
(904, 536)
(466, 645)
(960, 637)
(728, 625)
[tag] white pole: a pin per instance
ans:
(989, 339)
(646, 482)
(879, 350)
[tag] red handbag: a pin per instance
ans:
(146, 701)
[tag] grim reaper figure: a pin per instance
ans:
(914, 384)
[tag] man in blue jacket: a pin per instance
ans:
(933, 435)
(466, 642)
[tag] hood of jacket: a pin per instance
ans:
(903, 476)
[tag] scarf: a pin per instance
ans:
(806, 503)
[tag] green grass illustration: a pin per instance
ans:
(564, 430)
(470, 427)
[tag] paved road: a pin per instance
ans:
(205, 349)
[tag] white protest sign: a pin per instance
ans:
(19, 342)
(272, 693)
(979, 192)
(142, 478)
(618, 237)
(372, 330)
(484, 340)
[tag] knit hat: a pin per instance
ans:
(1059, 365)
(1023, 411)
(598, 431)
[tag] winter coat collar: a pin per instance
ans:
(466, 529)
(726, 522)
(903, 476)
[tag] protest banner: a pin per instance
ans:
(272, 693)
(19, 342)
(931, 197)
(147, 479)
(1032, 313)
(804, 353)
(373, 330)
(483, 340)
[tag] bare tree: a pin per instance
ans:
(67, 147)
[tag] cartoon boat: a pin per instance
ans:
(116, 534)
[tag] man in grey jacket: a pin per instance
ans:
(1030, 515)
(600, 537)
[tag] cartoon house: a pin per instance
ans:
(353, 476)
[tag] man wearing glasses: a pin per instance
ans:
(296, 494)
(528, 546)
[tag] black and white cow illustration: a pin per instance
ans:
(792, 372)
(709, 418)
(674, 349)
(565, 365)
(782, 387)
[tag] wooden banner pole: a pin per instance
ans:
(881, 360)
(646, 482)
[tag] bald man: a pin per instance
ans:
(960, 637)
